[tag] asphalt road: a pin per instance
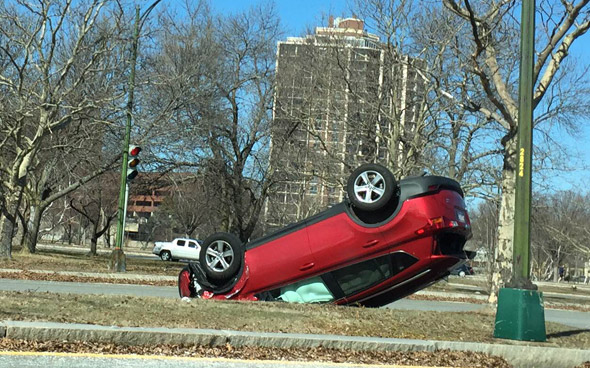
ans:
(88, 288)
(575, 319)
(53, 360)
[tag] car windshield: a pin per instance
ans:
(312, 290)
(348, 280)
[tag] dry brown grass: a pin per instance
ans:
(62, 261)
(266, 317)
(440, 358)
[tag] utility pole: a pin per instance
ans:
(118, 259)
(520, 314)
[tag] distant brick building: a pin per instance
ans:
(146, 202)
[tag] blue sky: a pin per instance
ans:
(297, 16)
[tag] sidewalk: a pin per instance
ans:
(519, 355)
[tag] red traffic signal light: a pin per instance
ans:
(134, 150)
(132, 162)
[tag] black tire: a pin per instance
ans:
(165, 255)
(221, 256)
(185, 284)
(370, 187)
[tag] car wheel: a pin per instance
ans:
(370, 187)
(221, 256)
(185, 284)
(165, 255)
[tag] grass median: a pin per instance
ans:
(53, 260)
(267, 317)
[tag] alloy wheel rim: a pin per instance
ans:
(369, 187)
(219, 256)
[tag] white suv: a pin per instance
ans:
(179, 248)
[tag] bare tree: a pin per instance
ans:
(484, 222)
(57, 70)
(188, 206)
(559, 231)
(489, 59)
(222, 71)
(469, 59)
(97, 202)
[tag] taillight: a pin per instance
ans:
(437, 223)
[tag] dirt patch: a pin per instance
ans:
(439, 358)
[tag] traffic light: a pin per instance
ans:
(132, 162)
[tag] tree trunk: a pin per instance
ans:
(93, 242)
(7, 224)
(69, 233)
(107, 238)
(94, 237)
(6, 228)
(23, 223)
(502, 270)
(32, 232)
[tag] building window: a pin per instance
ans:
(318, 124)
(313, 186)
(335, 137)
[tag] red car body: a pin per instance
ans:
(403, 248)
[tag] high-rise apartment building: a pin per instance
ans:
(342, 98)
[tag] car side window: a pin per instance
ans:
(180, 243)
(192, 244)
(363, 275)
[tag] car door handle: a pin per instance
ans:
(371, 243)
(307, 266)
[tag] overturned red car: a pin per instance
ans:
(388, 240)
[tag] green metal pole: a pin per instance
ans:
(520, 314)
(120, 265)
(522, 207)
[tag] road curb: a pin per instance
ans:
(520, 355)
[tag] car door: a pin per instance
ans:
(280, 258)
(338, 240)
(179, 250)
(192, 250)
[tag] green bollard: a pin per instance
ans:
(520, 315)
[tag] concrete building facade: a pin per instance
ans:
(342, 98)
